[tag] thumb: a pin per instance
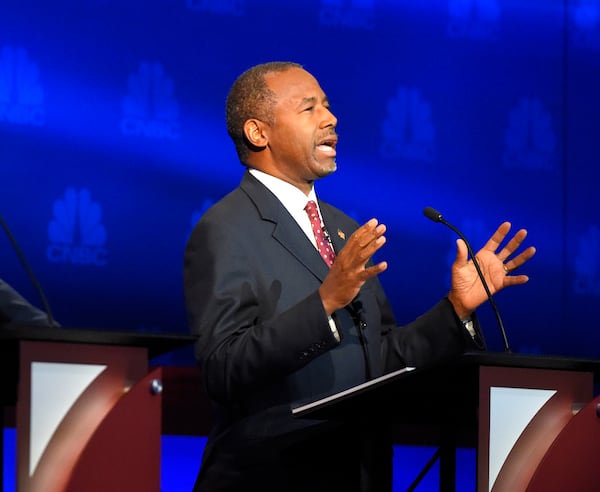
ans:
(461, 253)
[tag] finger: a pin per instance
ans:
(517, 261)
(366, 240)
(374, 270)
(494, 242)
(365, 254)
(515, 280)
(462, 253)
(361, 246)
(370, 232)
(512, 245)
(357, 261)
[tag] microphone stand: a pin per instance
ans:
(29, 271)
(436, 216)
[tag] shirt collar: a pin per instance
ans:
(292, 198)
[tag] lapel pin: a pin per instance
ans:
(341, 234)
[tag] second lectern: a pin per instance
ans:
(533, 419)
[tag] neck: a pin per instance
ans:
(304, 186)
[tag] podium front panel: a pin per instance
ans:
(66, 391)
(521, 412)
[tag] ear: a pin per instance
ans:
(254, 131)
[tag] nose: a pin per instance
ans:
(329, 119)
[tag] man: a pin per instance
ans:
(276, 325)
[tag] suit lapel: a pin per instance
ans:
(285, 229)
(336, 232)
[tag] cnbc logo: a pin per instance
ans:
(21, 95)
(231, 7)
(150, 109)
(76, 234)
(529, 140)
(474, 19)
(585, 18)
(408, 130)
(587, 265)
(354, 14)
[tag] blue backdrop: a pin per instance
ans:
(113, 143)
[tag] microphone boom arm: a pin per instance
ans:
(29, 271)
(435, 216)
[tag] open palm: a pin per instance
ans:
(467, 292)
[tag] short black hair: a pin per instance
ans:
(249, 97)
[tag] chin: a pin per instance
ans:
(329, 168)
(327, 171)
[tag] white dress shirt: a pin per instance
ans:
(294, 201)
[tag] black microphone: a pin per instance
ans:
(433, 214)
(29, 271)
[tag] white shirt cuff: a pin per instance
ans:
(468, 324)
(333, 327)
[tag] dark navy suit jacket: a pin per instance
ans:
(251, 279)
(14, 308)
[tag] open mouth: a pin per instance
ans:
(327, 145)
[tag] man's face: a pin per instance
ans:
(302, 139)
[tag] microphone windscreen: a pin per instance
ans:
(432, 214)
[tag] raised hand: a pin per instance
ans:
(467, 292)
(350, 271)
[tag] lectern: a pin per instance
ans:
(533, 419)
(88, 411)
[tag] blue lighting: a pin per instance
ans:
(113, 143)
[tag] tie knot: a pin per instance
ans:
(313, 213)
(311, 207)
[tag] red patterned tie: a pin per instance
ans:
(323, 244)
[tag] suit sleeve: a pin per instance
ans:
(434, 336)
(240, 345)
